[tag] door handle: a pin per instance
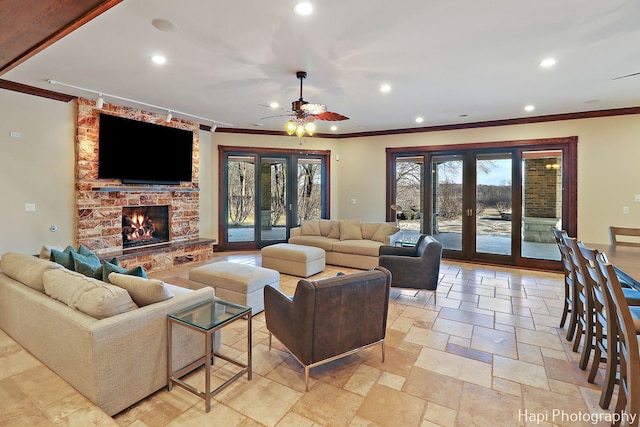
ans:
(290, 206)
(469, 212)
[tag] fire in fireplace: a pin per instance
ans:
(144, 226)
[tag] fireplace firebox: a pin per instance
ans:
(144, 226)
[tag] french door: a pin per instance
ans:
(490, 202)
(267, 192)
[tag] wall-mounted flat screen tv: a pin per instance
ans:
(143, 153)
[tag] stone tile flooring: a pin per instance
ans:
(484, 350)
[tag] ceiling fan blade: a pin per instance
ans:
(314, 109)
(279, 115)
(330, 116)
(628, 75)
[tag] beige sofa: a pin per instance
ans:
(347, 243)
(114, 361)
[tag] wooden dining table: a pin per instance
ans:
(625, 259)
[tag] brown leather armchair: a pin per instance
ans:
(330, 318)
(416, 267)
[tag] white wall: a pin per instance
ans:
(39, 168)
(36, 168)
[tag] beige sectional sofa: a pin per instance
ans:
(114, 361)
(347, 243)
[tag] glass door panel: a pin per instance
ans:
(241, 199)
(309, 189)
(446, 210)
(274, 201)
(409, 204)
(493, 226)
(542, 193)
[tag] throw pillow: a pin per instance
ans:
(143, 291)
(310, 228)
(383, 233)
(83, 250)
(63, 257)
(325, 226)
(90, 296)
(369, 229)
(91, 261)
(350, 230)
(334, 233)
(45, 251)
(108, 268)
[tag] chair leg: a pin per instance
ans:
(382, 351)
(587, 346)
(306, 378)
(565, 313)
(269, 340)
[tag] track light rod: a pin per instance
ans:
(214, 122)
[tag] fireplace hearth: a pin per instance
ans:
(144, 226)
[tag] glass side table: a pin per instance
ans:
(207, 317)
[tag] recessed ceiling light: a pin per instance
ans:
(158, 59)
(164, 25)
(419, 120)
(548, 62)
(274, 105)
(303, 8)
(529, 108)
(385, 88)
(334, 128)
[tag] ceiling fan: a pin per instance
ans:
(305, 113)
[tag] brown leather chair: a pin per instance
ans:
(330, 318)
(416, 267)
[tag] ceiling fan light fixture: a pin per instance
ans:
(290, 127)
(300, 131)
(310, 128)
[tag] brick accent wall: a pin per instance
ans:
(100, 201)
(542, 189)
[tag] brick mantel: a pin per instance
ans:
(100, 201)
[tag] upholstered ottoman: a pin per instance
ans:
(297, 260)
(239, 283)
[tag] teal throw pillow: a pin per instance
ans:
(108, 268)
(63, 257)
(86, 260)
(83, 250)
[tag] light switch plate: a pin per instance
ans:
(30, 207)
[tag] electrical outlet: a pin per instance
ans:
(30, 207)
(14, 134)
(353, 201)
(637, 198)
(625, 210)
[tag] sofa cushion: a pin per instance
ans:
(383, 232)
(310, 227)
(358, 247)
(321, 242)
(26, 269)
(325, 227)
(108, 268)
(88, 295)
(369, 229)
(350, 230)
(142, 291)
(334, 231)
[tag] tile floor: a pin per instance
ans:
(485, 350)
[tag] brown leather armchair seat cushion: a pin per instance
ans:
(330, 318)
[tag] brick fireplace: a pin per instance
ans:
(100, 202)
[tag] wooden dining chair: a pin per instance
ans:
(583, 302)
(568, 285)
(632, 235)
(628, 402)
